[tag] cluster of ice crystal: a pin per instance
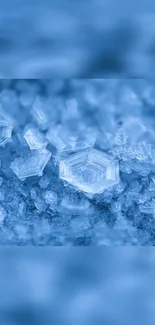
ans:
(77, 162)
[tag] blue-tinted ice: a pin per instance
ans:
(32, 165)
(90, 171)
(77, 162)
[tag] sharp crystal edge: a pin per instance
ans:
(77, 162)
(90, 171)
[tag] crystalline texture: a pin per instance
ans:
(51, 198)
(44, 182)
(35, 139)
(39, 114)
(147, 208)
(56, 137)
(31, 166)
(67, 141)
(113, 116)
(137, 131)
(91, 171)
(75, 205)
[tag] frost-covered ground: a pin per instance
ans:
(77, 162)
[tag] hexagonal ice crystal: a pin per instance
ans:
(91, 171)
(32, 165)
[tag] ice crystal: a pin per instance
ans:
(67, 141)
(77, 162)
(90, 171)
(35, 139)
(33, 165)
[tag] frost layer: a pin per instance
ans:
(77, 162)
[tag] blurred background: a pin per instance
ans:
(44, 39)
(77, 286)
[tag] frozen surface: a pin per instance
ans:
(77, 162)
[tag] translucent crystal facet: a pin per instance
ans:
(39, 114)
(66, 141)
(137, 132)
(35, 139)
(32, 165)
(91, 171)
(51, 198)
(99, 186)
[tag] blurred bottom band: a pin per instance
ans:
(77, 286)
